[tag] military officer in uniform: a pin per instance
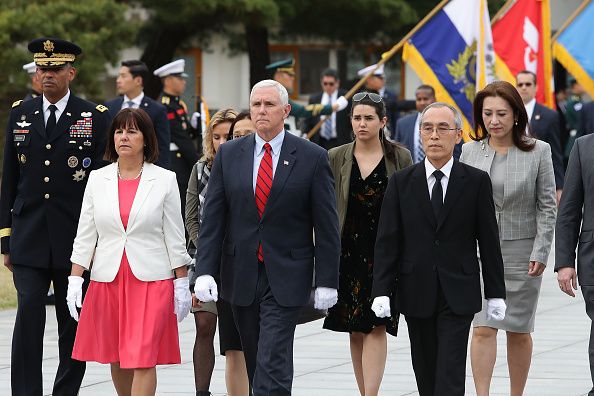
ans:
(52, 143)
(35, 90)
(183, 147)
(284, 72)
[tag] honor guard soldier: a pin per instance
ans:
(52, 143)
(284, 72)
(183, 137)
(35, 90)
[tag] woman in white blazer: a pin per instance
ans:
(130, 237)
(523, 181)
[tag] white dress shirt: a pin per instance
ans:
(446, 170)
(417, 135)
(276, 145)
(60, 104)
(137, 101)
(530, 108)
(326, 100)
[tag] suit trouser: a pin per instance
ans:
(588, 293)
(438, 349)
(27, 340)
(266, 330)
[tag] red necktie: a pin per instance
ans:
(263, 185)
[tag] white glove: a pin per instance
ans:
(381, 307)
(74, 295)
(325, 297)
(496, 308)
(194, 119)
(206, 289)
(182, 299)
(342, 103)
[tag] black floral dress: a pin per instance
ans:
(353, 311)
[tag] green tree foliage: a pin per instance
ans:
(99, 27)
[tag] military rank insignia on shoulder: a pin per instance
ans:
(165, 100)
(17, 103)
(101, 108)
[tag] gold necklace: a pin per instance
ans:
(137, 176)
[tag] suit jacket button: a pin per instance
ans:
(46, 179)
(436, 242)
(47, 162)
(46, 196)
(48, 146)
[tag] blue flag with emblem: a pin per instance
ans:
(574, 47)
(453, 52)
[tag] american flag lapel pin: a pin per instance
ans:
(285, 162)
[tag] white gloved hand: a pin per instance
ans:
(74, 295)
(182, 299)
(325, 297)
(342, 103)
(194, 119)
(381, 307)
(206, 289)
(496, 308)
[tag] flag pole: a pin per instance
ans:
(385, 57)
(577, 12)
(504, 8)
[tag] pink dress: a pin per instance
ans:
(128, 320)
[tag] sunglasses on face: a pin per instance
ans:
(328, 84)
(527, 84)
(375, 98)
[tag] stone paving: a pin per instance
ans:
(322, 358)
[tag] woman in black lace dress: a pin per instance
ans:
(361, 171)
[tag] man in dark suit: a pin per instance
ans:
(575, 228)
(407, 127)
(52, 143)
(544, 123)
(377, 83)
(270, 211)
(130, 85)
(431, 270)
(336, 129)
(587, 119)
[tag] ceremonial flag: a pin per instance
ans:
(574, 47)
(522, 41)
(453, 52)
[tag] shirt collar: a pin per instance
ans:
(60, 104)
(275, 143)
(530, 108)
(446, 169)
(137, 100)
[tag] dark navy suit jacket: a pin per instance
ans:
(545, 126)
(301, 201)
(158, 114)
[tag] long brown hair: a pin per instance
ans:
(507, 92)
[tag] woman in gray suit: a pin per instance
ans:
(361, 170)
(523, 181)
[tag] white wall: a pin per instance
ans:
(225, 78)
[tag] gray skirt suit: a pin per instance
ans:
(525, 204)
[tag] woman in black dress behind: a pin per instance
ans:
(361, 170)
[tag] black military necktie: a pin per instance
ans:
(437, 193)
(51, 120)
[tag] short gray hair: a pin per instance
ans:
(282, 91)
(435, 105)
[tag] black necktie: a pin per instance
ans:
(437, 193)
(51, 120)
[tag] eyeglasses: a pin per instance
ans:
(526, 84)
(375, 98)
(441, 129)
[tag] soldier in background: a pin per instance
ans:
(183, 146)
(284, 72)
(35, 89)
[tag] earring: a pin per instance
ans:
(516, 123)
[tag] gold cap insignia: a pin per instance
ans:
(48, 46)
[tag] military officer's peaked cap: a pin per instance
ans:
(175, 68)
(378, 72)
(49, 52)
(285, 65)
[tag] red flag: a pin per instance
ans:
(522, 41)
